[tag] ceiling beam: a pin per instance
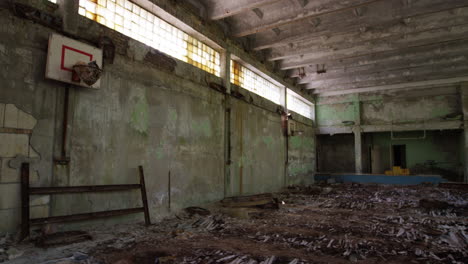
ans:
(407, 61)
(421, 73)
(390, 33)
(292, 15)
(410, 56)
(381, 13)
(407, 85)
(219, 9)
(412, 40)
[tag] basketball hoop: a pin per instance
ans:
(74, 62)
(88, 73)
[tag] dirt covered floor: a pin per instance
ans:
(329, 224)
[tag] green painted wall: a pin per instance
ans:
(443, 147)
(334, 114)
(417, 109)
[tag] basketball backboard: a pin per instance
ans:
(65, 52)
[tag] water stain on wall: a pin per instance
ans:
(140, 116)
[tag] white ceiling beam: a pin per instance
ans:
(380, 13)
(219, 9)
(388, 33)
(419, 39)
(389, 61)
(412, 85)
(421, 73)
(277, 19)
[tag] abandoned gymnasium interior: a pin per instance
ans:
(233, 131)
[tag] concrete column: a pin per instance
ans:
(358, 148)
(464, 100)
(226, 70)
(69, 11)
(357, 135)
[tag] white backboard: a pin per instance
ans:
(65, 52)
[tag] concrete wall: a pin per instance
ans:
(335, 153)
(301, 155)
(335, 114)
(383, 108)
(258, 150)
(409, 109)
(151, 110)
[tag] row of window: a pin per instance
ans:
(137, 23)
(247, 79)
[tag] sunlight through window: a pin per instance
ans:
(249, 80)
(139, 24)
(298, 104)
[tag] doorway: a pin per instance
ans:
(399, 155)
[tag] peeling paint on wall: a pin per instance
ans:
(300, 142)
(335, 114)
(16, 127)
(202, 127)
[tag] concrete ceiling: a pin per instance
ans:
(362, 44)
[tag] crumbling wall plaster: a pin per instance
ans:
(16, 127)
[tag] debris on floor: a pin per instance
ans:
(265, 200)
(339, 223)
(197, 211)
(75, 258)
(62, 238)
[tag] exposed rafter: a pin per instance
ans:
(405, 57)
(421, 39)
(420, 73)
(291, 15)
(219, 9)
(388, 33)
(378, 68)
(406, 85)
(381, 14)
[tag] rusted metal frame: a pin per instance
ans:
(143, 196)
(26, 191)
(15, 130)
(80, 189)
(24, 200)
(85, 216)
